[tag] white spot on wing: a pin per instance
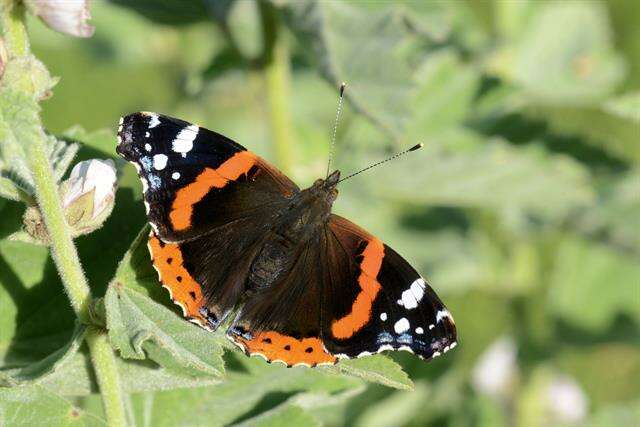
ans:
(175, 175)
(401, 325)
(417, 287)
(442, 314)
(408, 300)
(160, 161)
(419, 330)
(153, 120)
(412, 296)
(147, 147)
(183, 142)
(383, 316)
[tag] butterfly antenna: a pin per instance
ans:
(395, 156)
(335, 127)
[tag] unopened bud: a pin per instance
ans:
(88, 194)
(66, 16)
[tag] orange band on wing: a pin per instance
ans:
(184, 290)
(360, 313)
(292, 351)
(187, 197)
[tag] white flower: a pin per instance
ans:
(566, 400)
(66, 16)
(92, 175)
(496, 370)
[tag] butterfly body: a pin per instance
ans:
(233, 236)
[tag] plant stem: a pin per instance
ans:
(104, 363)
(278, 83)
(15, 33)
(63, 250)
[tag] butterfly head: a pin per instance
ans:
(325, 189)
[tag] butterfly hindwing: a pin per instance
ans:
(282, 322)
(379, 302)
(195, 180)
(350, 295)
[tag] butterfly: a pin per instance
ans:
(235, 241)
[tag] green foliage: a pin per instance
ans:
(522, 209)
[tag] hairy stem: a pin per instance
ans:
(62, 248)
(277, 73)
(15, 33)
(104, 363)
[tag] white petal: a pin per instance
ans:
(68, 16)
(95, 174)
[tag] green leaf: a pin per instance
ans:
(61, 155)
(377, 369)
(48, 366)
(612, 126)
(566, 56)
(139, 328)
(491, 175)
(396, 410)
(616, 215)
(9, 190)
(37, 405)
(351, 44)
(252, 387)
(36, 319)
(285, 414)
(18, 113)
(447, 88)
(592, 283)
(76, 378)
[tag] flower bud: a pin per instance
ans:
(88, 194)
(68, 16)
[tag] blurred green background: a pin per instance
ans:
(522, 210)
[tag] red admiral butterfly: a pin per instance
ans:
(231, 233)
